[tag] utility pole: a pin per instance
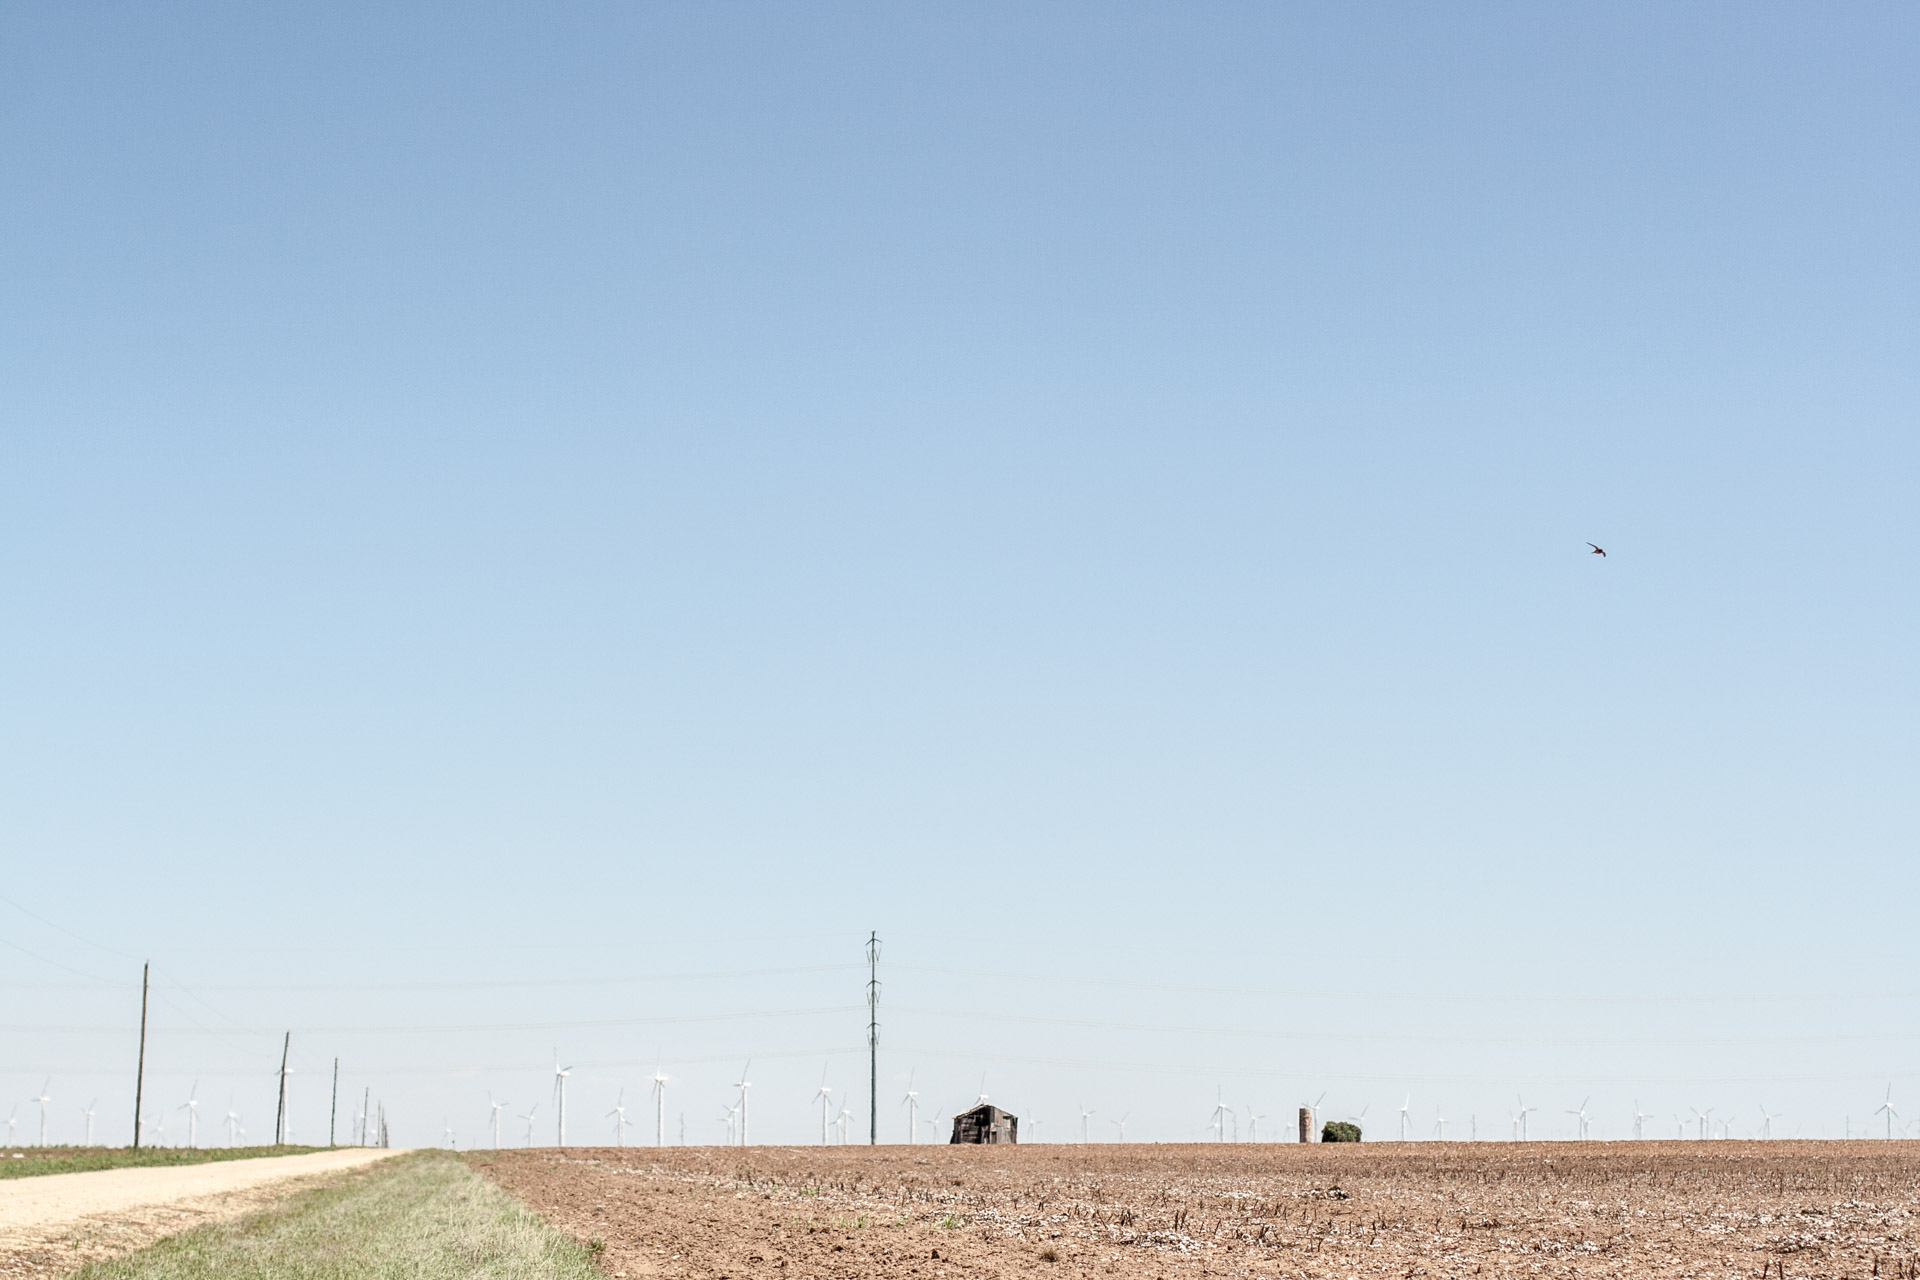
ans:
(333, 1112)
(873, 1039)
(140, 1073)
(280, 1116)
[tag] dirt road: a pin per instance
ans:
(54, 1223)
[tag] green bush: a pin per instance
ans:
(1340, 1131)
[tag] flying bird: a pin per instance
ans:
(1596, 550)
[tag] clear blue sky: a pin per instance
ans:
(528, 494)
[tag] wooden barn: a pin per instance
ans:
(986, 1124)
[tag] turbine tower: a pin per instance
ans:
(743, 1084)
(89, 1115)
(43, 1100)
(619, 1114)
(192, 1107)
(659, 1108)
(1085, 1116)
(1766, 1120)
(1580, 1127)
(1522, 1116)
(560, 1075)
(912, 1103)
(498, 1107)
(529, 1119)
(1406, 1120)
(1886, 1106)
(1121, 1125)
(824, 1096)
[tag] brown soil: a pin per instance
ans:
(1796, 1210)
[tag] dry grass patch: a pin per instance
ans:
(418, 1217)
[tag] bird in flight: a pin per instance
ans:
(1596, 550)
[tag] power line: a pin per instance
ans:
(1316, 1035)
(1455, 996)
(477, 1069)
(417, 1029)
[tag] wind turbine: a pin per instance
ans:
(824, 1096)
(1704, 1119)
(659, 1108)
(233, 1122)
(12, 1120)
(845, 1119)
(1253, 1124)
(1439, 1126)
(497, 1107)
(1405, 1119)
(1522, 1117)
(911, 1102)
(446, 1132)
(89, 1115)
(1581, 1116)
(1121, 1125)
(619, 1114)
(529, 1119)
(1085, 1115)
(983, 1090)
(729, 1115)
(1886, 1106)
(1220, 1114)
(1766, 1120)
(560, 1075)
(192, 1107)
(1640, 1119)
(743, 1084)
(43, 1100)
(1313, 1116)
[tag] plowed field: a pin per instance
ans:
(1668, 1209)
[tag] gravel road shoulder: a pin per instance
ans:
(52, 1224)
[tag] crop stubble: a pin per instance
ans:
(1795, 1210)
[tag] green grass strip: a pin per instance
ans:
(423, 1216)
(30, 1161)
